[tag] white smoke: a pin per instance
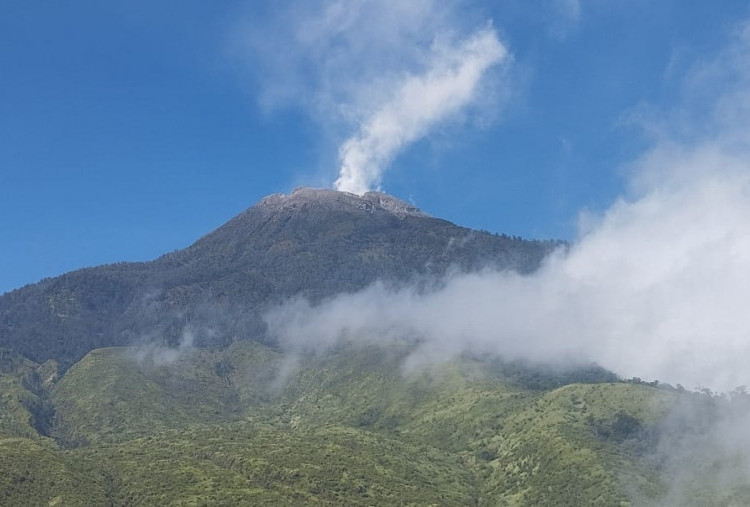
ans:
(418, 103)
(657, 288)
(379, 74)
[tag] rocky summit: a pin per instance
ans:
(304, 198)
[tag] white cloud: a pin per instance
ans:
(657, 288)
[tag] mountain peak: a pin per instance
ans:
(335, 199)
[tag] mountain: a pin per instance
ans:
(313, 242)
(155, 384)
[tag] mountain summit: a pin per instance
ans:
(312, 243)
(371, 202)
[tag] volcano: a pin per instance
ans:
(312, 243)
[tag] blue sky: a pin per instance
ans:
(130, 129)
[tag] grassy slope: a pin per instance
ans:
(227, 427)
(15, 416)
(37, 473)
(25, 410)
(556, 449)
(116, 394)
(247, 464)
(525, 447)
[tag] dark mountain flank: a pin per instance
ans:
(313, 243)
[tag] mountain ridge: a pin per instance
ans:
(313, 243)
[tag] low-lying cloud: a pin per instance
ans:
(702, 450)
(656, 287)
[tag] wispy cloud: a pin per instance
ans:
(380, 74)
(566, 14)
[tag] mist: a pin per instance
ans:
(656, 289)
(655, 286)
(702, 449)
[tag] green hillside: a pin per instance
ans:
(118, 394)
(246, 464)
(157, 383)
(38, 473)
(246, 425)
(25, 408)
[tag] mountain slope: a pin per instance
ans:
(36, 473)
(200, 407)
(25, 407)
(251, 465)
(350, 427)
(314, 243)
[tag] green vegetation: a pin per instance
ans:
(208, 412)
(245, 425)
(25, 409)
(36, 473)
(134, 394)
(246, 464)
